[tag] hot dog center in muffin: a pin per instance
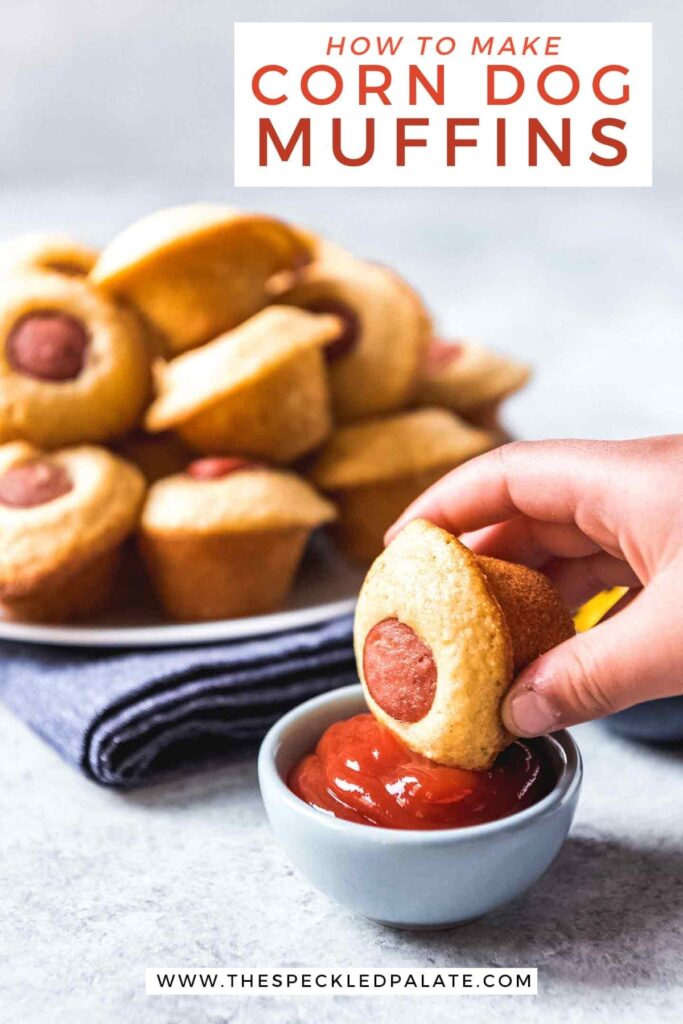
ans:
(48, 345)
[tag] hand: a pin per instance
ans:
(590, 515)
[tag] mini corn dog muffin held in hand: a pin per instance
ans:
(469, 379)
(51, 253)
(375, 469)
(260, 389)
(74, 366)
(374, 361)
(440, 634)
(225, 537)
(63, 518)
(196, 271)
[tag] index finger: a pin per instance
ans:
(545, 480)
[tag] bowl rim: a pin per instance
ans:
(568, 782)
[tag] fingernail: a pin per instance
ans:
(530, 714)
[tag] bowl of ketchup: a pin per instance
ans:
(400, 839)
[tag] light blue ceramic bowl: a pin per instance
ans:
(411, 879)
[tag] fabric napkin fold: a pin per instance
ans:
(126, 718)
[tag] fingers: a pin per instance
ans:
(610, 667)
(545, 480)
(532, 543)
(579, 579)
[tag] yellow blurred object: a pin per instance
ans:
(590, 613)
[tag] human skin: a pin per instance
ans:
(591, 515)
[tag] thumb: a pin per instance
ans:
(632, 657)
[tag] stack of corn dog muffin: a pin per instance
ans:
(217, 385)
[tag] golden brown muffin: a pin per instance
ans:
(324, 254)
(260, 389)
(196, 271)
(225, 538)
(469, 379)
(63, 518)
(52, 253)
(373, 470)
(439, 635)
(374, 362)
(74, 366)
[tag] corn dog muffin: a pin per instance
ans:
(74, 366)
(63, 518)
(260, 389)
(440, 634)
(373, 470)
(225, 538)
(196, 271)
(469, 379)
(51, 253)
(374, 362)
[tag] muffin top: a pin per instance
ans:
(236, 359)
(394, 446)
(179, 228)
(48, 252)
(230, 493)
(467, 375)
(59, 330)
(74, 365)
(61, 508)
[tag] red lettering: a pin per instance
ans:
(365, 88)
(558, 100)
(302, 132)
(491, 71)
(452, 124)
(417, 76)
(355, 161)
(617, 145)
(256, 84)
(597, 85)
(562, 152)
(402, 142)
(321, 101)
(501, 141)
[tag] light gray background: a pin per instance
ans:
(110, 109)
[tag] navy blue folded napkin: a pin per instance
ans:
(126, 718)
(656, 721)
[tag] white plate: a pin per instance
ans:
(326, 587)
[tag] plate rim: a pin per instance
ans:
(175, 634)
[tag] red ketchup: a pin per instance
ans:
(361, 772)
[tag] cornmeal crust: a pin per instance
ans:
(108, 396)
(196, 271)
(476, 380)
(260, 389)
(379, 373)
(44, 251)
(228, 547)
(452, 600)
(40, 545)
